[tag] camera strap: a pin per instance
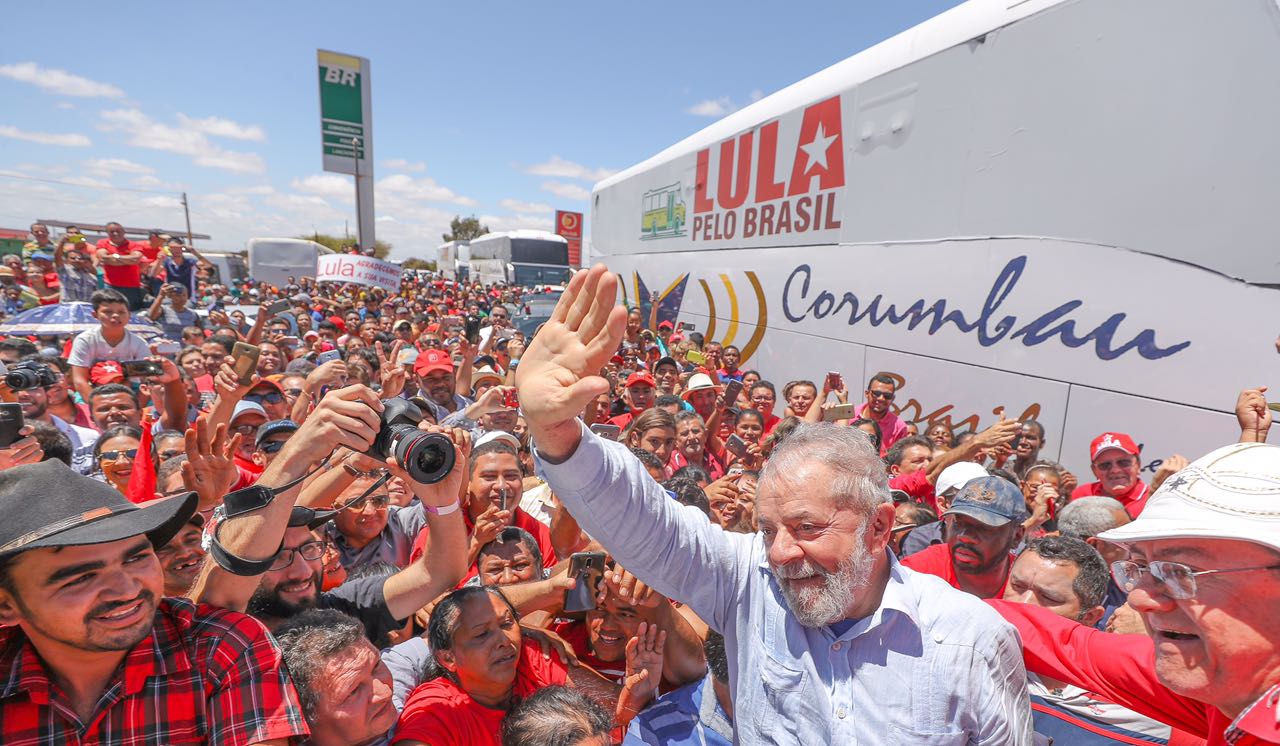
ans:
(248, 500)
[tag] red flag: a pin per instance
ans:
(142, 482)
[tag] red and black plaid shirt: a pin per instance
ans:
(204, 675)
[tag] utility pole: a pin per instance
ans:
(187, 211)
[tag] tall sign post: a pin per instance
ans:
(569, 225)
(346, 130)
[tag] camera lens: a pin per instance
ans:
(428, 457)
(22, 379)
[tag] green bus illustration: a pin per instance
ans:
(663, 215)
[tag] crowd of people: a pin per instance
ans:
(363, 517)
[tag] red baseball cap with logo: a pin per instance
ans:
(1107, 441)
(106, 371)
(432, 360)
(641, 378)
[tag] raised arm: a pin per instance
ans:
(673, 548)
(1253, 415)
(349, 418)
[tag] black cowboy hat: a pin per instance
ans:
(49, 505)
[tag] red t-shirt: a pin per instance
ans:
(622, 420)
(771, 421)
(936, 560)
(440, 713)
(1133, 501)
(917, 485)
(123, 275)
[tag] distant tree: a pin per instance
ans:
(465, 229)
(380, 248)
(416, 263)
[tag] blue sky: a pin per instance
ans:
(504, 110)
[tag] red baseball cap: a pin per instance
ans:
(106, 371)
(641, 378)
(666, 325)
(432, 360)
(1107, 441)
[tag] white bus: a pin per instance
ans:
(1062, 208)
(523, 257)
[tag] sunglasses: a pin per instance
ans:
(886, 395)
(379, 501)
(130, 454)
(171, 453)
(270, 397)
(295, 393)
(1123, 463)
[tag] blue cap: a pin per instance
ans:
(42, 255)
(267, 429)
(993, 500)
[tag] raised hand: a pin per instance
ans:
(629, 589)
(559, 372)
(393, 374)
(210, 468)
(1253, 415)
(23, 451)
(644, 670)
(1168, 468)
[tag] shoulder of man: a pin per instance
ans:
(220, 637)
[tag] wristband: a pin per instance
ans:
(446, 510)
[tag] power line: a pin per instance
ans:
(85, 186)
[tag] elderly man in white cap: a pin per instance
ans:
(1204, 573)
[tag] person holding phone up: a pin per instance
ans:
(170, 311)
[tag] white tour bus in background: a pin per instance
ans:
(524, 257)
(1065, 209)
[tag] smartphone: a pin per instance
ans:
(833, 381)
(732, 391)
(473, 329)
(279, 306)
(839, 412)
(141, 368)
(737, 446)
(606, 430)
(11, 423)
(328, 356)
(586, 568)
(504, 497)
(168, 348)
(289, 341)
(695, 357)
(246, 361)
(510, 400)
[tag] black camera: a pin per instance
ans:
(428, 457)
(28, 375)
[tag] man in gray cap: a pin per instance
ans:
(94, 652)
(983, 525)
(1204, 572)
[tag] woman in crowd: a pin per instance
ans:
(799, 395)
(115, 453)
(871, 428)
(941, 436)
(653, 431)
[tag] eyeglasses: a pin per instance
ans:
(271, 446)
(295, 393)
(1123, 463)
(130, 454)
(311, 551)
(247, 430)
(886, 395)
(270, 397)
(379, 501)
(1175, 579)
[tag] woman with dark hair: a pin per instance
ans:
(482, 665)
(871, 428)
(653, 431)
(115, 453)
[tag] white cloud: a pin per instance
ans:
(563, 169)
(517, 222)
(400, 164)
(756, 95)
(66, 140)
(516, 205)
(424, 188)
(66, 105)
(566, 191)
(59, 81)
(87, 181)
(325, 185)
(144, 132)
(219, 127)
(108, 166)
(713, 107)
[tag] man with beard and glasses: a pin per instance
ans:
(832, 640)
(983, 525)
(282, 534)
(95, 654)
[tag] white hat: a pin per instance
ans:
(244, 407)
(499, 435)
(958, 475)
(1231, 493)
(699, 382)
